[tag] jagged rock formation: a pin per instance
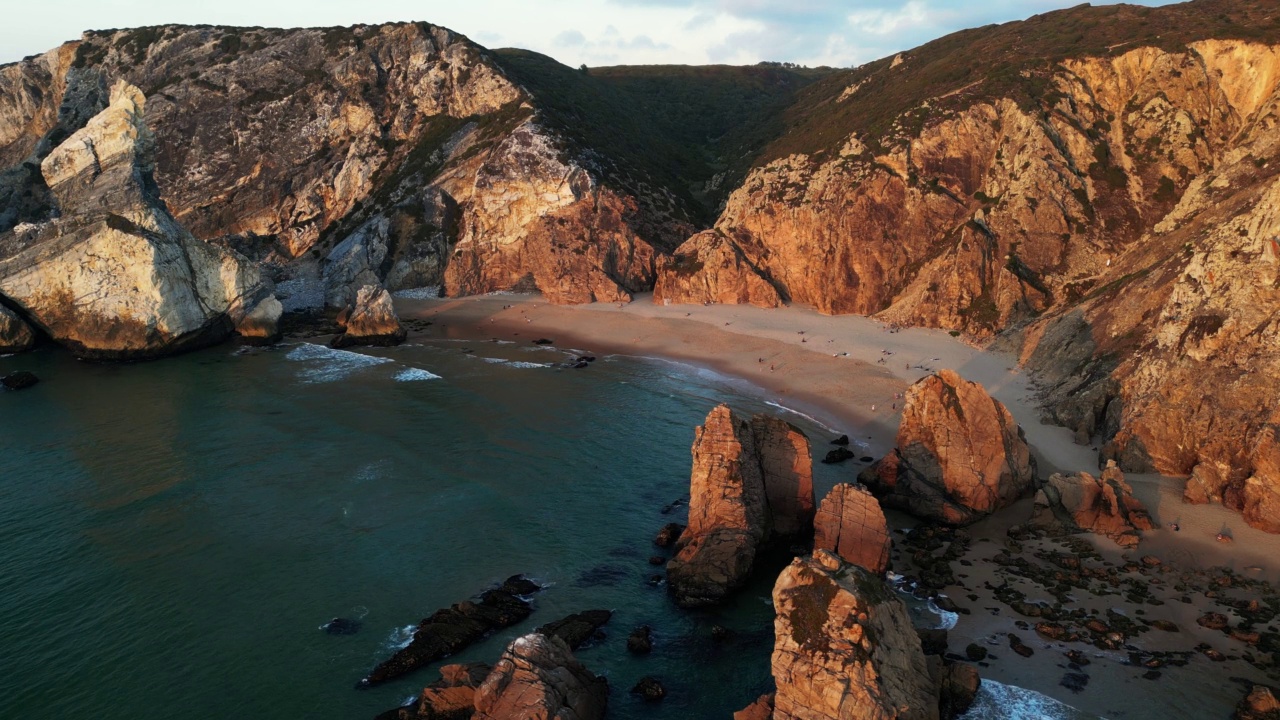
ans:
(851, 524)
(959, 455)
(751, 481)
(538, 678)
(727, 518)
(1083, 503)
(15, 335)
(844, 647)
(372, 320)
(786, 468)
(114, 276)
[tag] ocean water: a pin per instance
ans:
(173, 534)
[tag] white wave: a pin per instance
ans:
(493, 360)
(329, 364)
(997, 701)
(806, 416)
(946, 618)
(523, 364)
(400, 637)
(414, 374)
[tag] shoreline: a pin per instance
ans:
(844, 372)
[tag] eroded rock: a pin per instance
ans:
(959, 457)
(851, 524)
(538, 678)
(372, 321)
(15, 335)
(1083, 503)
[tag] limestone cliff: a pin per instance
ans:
(113, 275)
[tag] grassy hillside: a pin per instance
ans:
(670, 125)
(1010, 60)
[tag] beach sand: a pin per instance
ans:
(845, 371)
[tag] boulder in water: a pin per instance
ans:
(838, 455)
(341, 626)
(650, 688)
(20, 380)
(15, 335)
(538, 677)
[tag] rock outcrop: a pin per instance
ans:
(452, 697)
(959, 457)
(115, 276)
(1083, 503)
(448, 631)
(851, 524)
(727, 519)
(372, 321)
(707, 269)
(786, 468)
(1259, 704)
(15, 335)
(844, 647)
(751, 481)
(538, 678)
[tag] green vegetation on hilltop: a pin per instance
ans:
(672, 126)
(1012, 60)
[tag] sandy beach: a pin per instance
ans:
(849, 373)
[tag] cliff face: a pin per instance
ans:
(400, 154)
(1100, 193)
(114, 276)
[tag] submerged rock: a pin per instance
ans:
(851, 524)
(114, 276)
(372, 321)
(640, 641)
(959, 457)
(448, 631)
(1083, 503)
(539, 678)
(650, 688)
(578, 628)
(342, 626)
(20, 380)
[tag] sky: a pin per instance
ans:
(592, 32)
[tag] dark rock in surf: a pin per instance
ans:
(578, 628)
(838, 455)
(341, 626)
(452, 629)
(20, 380)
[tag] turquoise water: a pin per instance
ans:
(173, 534)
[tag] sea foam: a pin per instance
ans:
(415, 374)
(329, 364)
(997, 701)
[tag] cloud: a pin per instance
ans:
(569, 38)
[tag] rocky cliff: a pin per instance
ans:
(113, 275)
